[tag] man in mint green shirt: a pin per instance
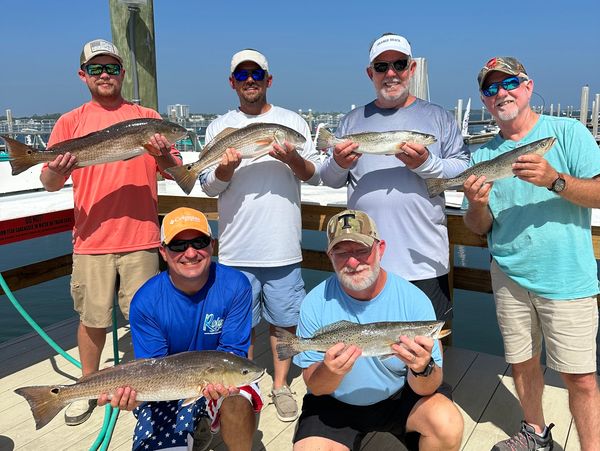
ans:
(544, 273)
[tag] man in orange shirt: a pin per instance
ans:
(116, 234)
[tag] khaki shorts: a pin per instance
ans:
(94, 278)
(568, 326)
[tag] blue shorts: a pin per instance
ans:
(276, 294)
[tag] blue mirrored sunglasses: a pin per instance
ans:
(508, 84)
(243, 74)
(97, 69)
(197, 243)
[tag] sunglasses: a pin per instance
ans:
(360, 254)
(383, 66)
(97, 69)
(243, 74)
(197, 243)
(508, 84)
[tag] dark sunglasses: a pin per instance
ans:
(197, 243)
(508, 84)
(97, 69)
(383, 66)
(243, 74)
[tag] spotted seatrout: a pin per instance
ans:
(378, 143)
(374, 339)
(494, 169)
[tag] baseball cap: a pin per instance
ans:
(249, 55)
(181, 219)
(389, 41)
(505, 64)
(351, 225)
(98, 47)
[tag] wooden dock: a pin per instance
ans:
(482, 384)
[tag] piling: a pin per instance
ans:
(595, 109)
(583, 110)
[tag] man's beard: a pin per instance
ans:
(360, 279)
(512, 113)
(401, 96)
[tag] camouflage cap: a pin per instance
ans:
(505, 64)
(351, 225)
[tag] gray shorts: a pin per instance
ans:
(276, 294)
(568, 326)
(94, 279)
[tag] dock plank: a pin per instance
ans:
(483, 391)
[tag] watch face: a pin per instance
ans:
(558, 185)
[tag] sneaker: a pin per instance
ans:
(202, 436)
(526, 439)
(79, 411)
(285, 404)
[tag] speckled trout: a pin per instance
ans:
(378, 143)
(374, 339)
(494, 169)
(179, 376)
(121, 141)
(253, 141)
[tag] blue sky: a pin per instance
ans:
(317, 50)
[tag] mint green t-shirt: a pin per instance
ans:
(540, 240)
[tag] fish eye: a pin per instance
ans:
(245, 371)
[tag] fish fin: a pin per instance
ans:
(188, 401)
(185, 176)
(261, 154)
(444, 333)
(435, 187)
(288, 344)
(325, 139)
(334, 326)
(44, 402)
(20, 155)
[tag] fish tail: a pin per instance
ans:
(20, 155)
(288, 344)
(435, 186)
(325, 139)
(44, 403)
(185, 176)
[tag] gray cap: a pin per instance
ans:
(98, 47)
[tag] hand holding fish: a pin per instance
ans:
(123, 399)
(412, 155)
(286, 153)
(63, 164)
(230, 160)
(477, 191)
(339, 359)
(344, 155)
(159, 146)
(535, 169)
(416, 353)
(217, 391)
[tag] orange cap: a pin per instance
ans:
(181, 219)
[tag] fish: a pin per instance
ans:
(178, 376)
(495, 169)
(121, 141)
(253, 141)
(374, 339)
(376, 143)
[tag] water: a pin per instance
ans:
(474, 324)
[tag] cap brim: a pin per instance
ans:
(356, 238)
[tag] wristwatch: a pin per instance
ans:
(427, 371)
(559, 184)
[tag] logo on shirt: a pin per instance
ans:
(212, 325)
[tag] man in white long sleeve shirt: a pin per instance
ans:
(391, 189)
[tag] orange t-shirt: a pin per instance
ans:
(116, 204)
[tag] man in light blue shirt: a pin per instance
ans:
(544, 273)
(350, 395)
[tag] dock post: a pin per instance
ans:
(583, 110)
(595, 108)
(459, 111)
(137, 15)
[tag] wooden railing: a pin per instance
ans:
(314, 217)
